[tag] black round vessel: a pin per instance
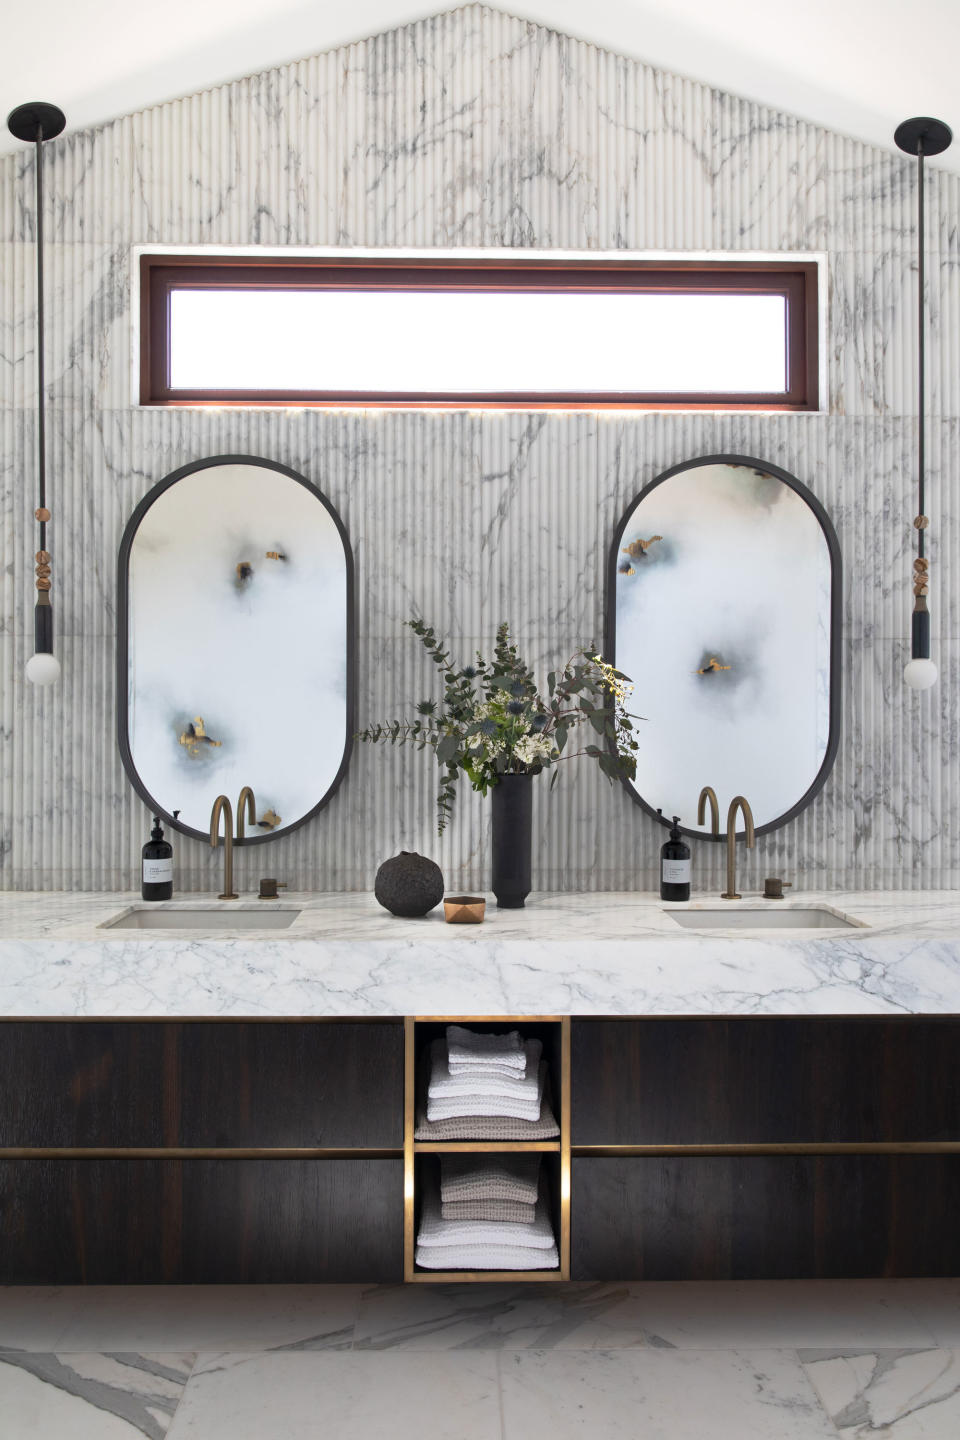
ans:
(409, 884)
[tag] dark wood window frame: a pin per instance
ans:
(796, 281)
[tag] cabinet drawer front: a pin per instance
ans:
(764, 1217)
(126, 1222)
(198, 1083)
(330, 1084)
(763, 1081)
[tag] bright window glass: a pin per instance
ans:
(453, 343)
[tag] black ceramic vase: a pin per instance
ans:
(512, 805)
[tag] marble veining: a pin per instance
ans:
(577, 955)
(477, 129)
(91, 1397)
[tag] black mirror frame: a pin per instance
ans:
(836, 612)
(123, 642)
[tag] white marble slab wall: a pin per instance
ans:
(477, 129)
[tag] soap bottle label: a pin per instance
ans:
(675, 872)
(157, 872)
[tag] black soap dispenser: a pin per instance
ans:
(675, 865)
(156, 865)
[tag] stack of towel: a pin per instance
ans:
(489, 1187)
(465, 1243)
(485, 1087)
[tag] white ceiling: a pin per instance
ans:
(858, 66)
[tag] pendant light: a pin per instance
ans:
(36, 123)
(921, 136)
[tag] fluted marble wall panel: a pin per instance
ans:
(477, 129)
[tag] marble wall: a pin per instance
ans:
(477, 129)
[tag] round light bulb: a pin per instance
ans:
(920, 674)
(43, 669)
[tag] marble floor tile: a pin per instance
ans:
(34, 1317)
(936, 1303)
(669, 1395)
(661, 1315)
(770, 1314)
(212, 1317)
(89, 1397)
(348, 1397)
(897, 1394)
(486, 1317)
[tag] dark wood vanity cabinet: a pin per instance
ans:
(765, 1147)
(209, 1151)
(296, 1137)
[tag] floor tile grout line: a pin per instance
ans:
(500, 1410)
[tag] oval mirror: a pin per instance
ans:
(723, 606)
(235, 649)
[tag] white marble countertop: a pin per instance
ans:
(563, 954)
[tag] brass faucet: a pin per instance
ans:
(737, 803)
(222, 806)
(246, 802)
(708, 793)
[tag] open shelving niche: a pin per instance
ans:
(554, 1030)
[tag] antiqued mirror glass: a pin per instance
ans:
(235, 653)
(723, 607)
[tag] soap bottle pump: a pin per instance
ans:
(156, 866)
(675, 865)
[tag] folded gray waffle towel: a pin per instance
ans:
(502, 1212)
(479, 1178)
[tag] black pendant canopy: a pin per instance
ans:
(36, 121)
(923, 133)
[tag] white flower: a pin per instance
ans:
(531, 748)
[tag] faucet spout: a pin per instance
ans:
(737, 803)
(708, 793)
(222, 806)
(246, 809)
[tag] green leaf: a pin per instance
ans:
(598, 720)
(447, 748)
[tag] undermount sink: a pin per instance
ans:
(791, 917)
(196, 920)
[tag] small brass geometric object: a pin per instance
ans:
(464, 909)
(921, 523)
(42, 514)
(42, 557)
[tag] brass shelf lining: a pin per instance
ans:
(486, 1147)
(447, 1277)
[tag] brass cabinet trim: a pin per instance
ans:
(196, 1152)
(789, 1147)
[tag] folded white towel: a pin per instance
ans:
(476, 1178)
(436, 1231)
(450, 1107)
(468, 1047)
(483, 1127)
(485, 1257)
(446, 1084)
(485, 1072)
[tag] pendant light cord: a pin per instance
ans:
(920, 347)
(39, 342)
